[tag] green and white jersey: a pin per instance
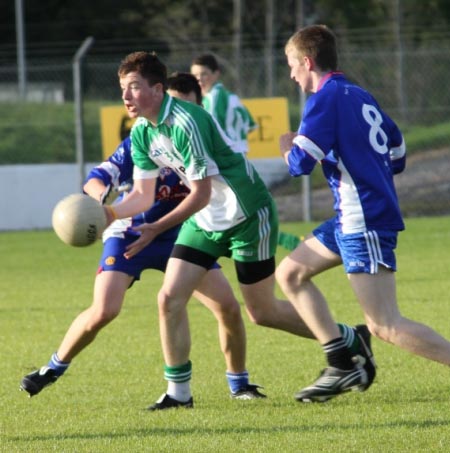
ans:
(231, 114)
(188, 140)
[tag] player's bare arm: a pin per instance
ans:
(197, 199)
(94, 187)
(139, 200)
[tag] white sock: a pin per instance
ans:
(180, 391)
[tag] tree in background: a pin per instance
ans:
(199, 25)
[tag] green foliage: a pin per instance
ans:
(352, 13)
(98, 405)
(45, 133)
(422, 138)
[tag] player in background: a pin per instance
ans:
(225, 106)
(228, 212)
(116, 274)
(359, 148)
(231, 114)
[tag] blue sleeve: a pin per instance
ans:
(300, 162)
(397, 150)
(316, 134)
(118, 168)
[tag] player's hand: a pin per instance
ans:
(286, 142)
(148, 233)
(109, 194)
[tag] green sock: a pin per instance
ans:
(288, 241)
(350, 338)
(178, 373)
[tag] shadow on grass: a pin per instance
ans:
(165, 432)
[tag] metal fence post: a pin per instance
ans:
(302, 5)
(78, 103)
(21, 61)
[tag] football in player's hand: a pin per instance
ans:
(78, 220)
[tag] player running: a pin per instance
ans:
(359, 148)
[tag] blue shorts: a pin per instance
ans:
(154, 256)
(360, 252)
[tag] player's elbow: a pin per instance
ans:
(300, 164)
(398, 166)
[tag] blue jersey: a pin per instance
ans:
(360, 149)
(170, 191)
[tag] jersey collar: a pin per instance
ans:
(327, 77)
(166, 107)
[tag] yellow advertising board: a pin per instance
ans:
(115, 126)
(271, 115)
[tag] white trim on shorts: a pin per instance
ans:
(264, 234)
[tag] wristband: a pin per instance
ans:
(112, 211)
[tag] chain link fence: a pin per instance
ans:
(412, 87)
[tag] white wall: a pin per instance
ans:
(30, 192)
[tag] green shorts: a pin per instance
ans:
(254, 239)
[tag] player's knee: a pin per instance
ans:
(379, 331)
(100, 318)
(163, 300)
(255, 317)
(384, 332)
(290, 277)
(167, 302)
(259, 316)
(229, 310)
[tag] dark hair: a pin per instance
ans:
(207, 60)
(147, 64)
(185, 83)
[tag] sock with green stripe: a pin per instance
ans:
(179, 381)
(350, 338)
(288, 241)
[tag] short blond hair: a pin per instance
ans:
(317, 42)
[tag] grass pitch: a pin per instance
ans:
(98, 406)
